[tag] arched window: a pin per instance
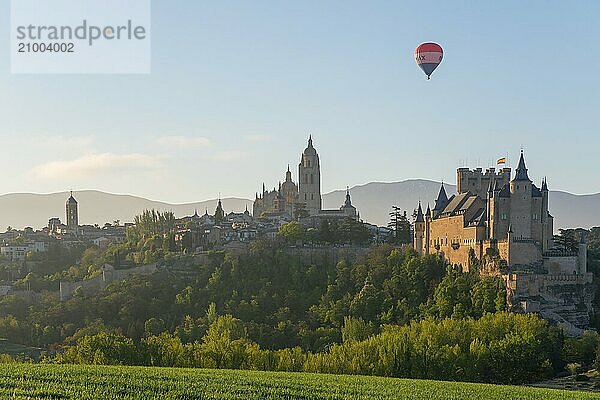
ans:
(312, 180)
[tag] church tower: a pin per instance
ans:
(309, 177)
(219, 212)
(72, 213)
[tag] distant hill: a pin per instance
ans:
(373, 200)
(95, 207)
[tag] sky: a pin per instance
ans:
(236, 87)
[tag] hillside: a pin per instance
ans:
(101, 382)
(373, 200)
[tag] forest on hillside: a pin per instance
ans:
(389, 313)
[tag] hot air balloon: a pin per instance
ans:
(428, 56)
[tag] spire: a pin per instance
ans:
(288, 174)
(545, 185)
(71, 199)
(441, 201)
(428, 212)
(521, 170)
(348, 202)
(420, 214)
(195, 212)
(310, 144)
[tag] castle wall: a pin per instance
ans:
(503, 215)
(562, 265)
(523, 252)
(449, 237)
(503, 249)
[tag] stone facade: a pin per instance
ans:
(505, 223)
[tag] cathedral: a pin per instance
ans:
(302, 200)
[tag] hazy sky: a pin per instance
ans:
(236, 87)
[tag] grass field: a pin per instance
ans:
(22, 381)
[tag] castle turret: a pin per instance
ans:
(582, 256)
(521, 209)
(309, 176)
(547, 225)
(419, 235)
(427, 229)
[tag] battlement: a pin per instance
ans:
(477, 181)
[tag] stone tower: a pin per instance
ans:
(219, 213)
(72, 213)
(521, 202)
(309, 177)
(419, 238)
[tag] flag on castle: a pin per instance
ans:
(501, 161)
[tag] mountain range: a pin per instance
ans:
(373, 201)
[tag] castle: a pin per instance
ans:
(506, 225)
(301, 201)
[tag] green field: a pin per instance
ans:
(35, 381)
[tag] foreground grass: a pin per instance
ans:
(22, 381)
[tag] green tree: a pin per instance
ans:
(292, 232)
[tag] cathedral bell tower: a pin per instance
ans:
(309, 177)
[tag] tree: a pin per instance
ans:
(400, 225)
(292, 232)
(567, 240)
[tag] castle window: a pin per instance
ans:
(305, 196)
(312, 180)
(305, 178)
(312, 196)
